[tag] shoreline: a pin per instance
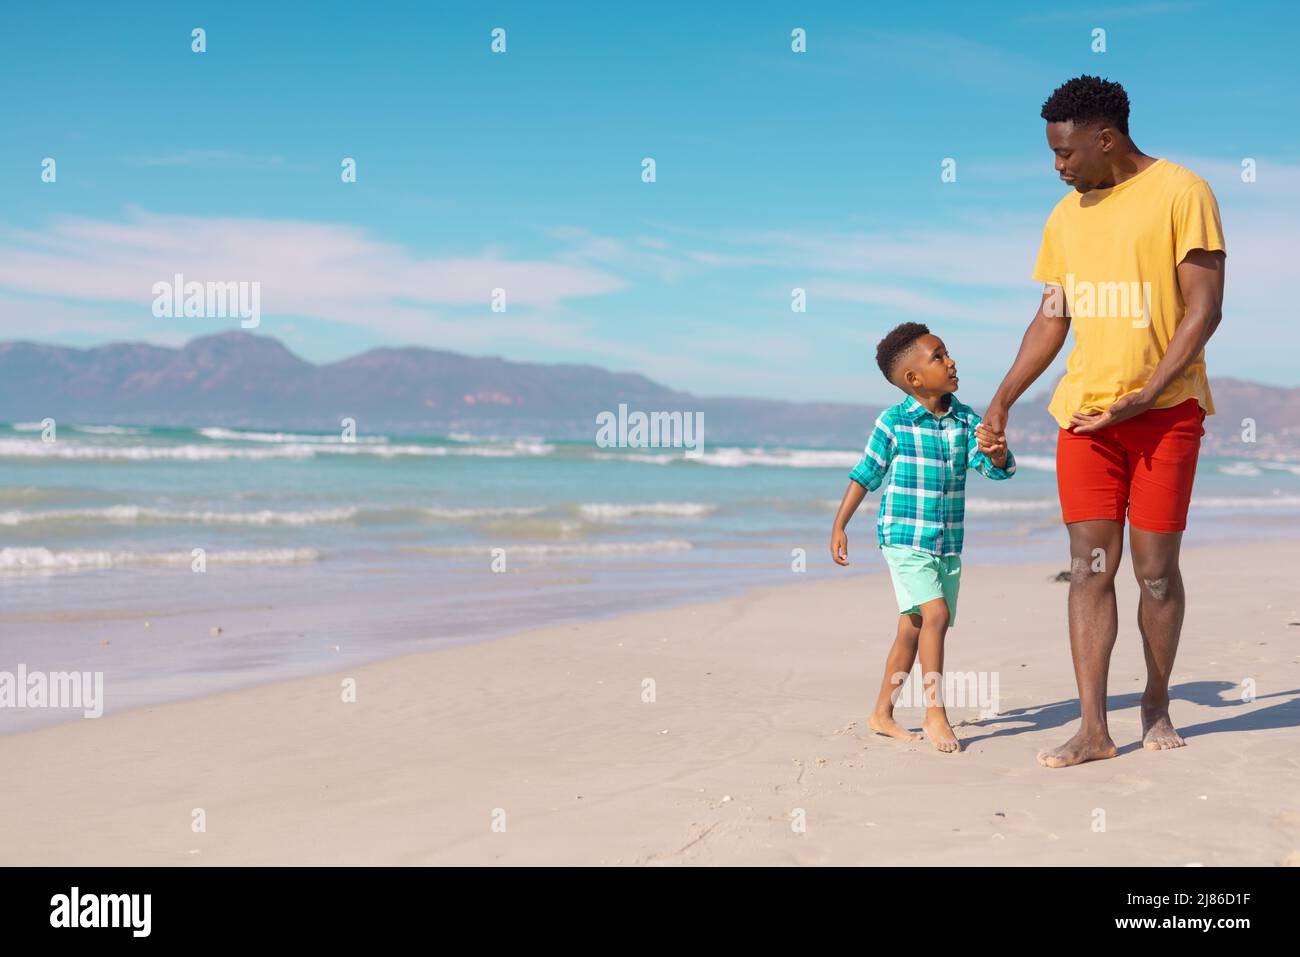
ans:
(758, 715)
(268, 628)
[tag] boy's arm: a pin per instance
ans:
(865, 477)
(870, 471)
(998, 464)
(853, 496)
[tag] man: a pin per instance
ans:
(1133, 258)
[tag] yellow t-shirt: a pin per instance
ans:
(1114, 253)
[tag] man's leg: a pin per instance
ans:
(1095, 550)
(1167, 443)
(1160, 620)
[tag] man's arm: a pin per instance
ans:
(1200, 280)
(1038, 349)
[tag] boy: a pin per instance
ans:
(930, 439)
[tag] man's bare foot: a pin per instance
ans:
(1158, 732)
(940, 733)
(885, 724)
(1080, 748)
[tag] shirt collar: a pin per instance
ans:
(915, 410)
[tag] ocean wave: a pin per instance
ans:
(457, 514)
(569, 548)
(46, 560)
(1246, 501)
(779, 458)
(514, 449)
(737, 457)
(604, 511)
(21, 449)
(1221, 502)
(241, 435)
(24, 449)
(993, 505)
(22, 494)
(143, 514)
(649, 458)
(1243, 469)
(1292, 467)
(1039, 463)
(728, 457)
(133, 514)
(111, 429)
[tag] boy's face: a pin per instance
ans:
(930, 368)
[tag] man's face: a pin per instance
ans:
(1080, 153)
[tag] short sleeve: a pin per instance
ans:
(1196, 221)
(1048, 267)
(870, 472)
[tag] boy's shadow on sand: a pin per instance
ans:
(1247, 715)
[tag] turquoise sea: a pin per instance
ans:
(317, 551)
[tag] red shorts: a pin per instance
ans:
(1144, 465)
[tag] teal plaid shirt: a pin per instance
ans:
(924, 504)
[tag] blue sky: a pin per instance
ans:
(522, 170)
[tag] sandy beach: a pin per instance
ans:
(539, 748)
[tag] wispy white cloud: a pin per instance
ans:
(1099, 15)
(936, 55)
(1276, 178)
(316, 270)
(932, 56)
(910, 303)
(39, 318)
(207, 158)
(89, 277)
(648, 255)
(996, 251)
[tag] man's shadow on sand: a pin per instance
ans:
(1247, 715)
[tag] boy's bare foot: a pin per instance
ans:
(1080, 748)
(1158, 732)
(940, 733)
(885, 724)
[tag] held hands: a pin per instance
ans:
(993, 444)
(995, 421)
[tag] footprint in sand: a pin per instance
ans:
(1126, 784)
(1021, 823)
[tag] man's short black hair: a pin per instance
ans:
(1088, 99)
(894, 346)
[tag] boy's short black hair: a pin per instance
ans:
(895, 345)
(1088, 99)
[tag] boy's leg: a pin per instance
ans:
(898, 665)
(934, 626)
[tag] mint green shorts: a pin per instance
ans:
(921, 576)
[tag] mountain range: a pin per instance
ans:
(240, 380)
